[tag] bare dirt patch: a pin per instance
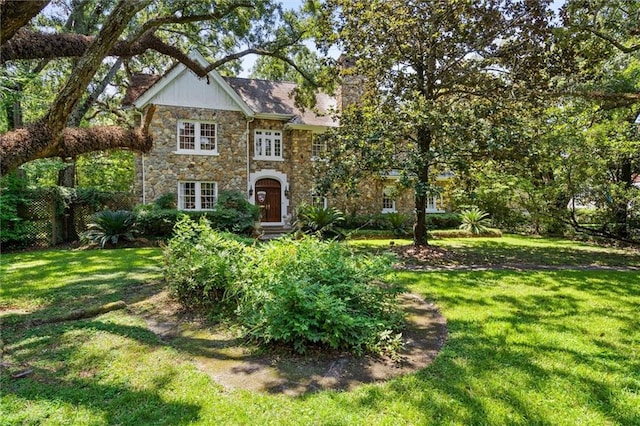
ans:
(232, 364)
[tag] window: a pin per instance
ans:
(388, 200)
(196, 137)
(318, 147)
(268, 145)
(432, 203)
(197, 195)
(319, 201)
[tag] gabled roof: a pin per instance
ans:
(256, 98)
(266, 97)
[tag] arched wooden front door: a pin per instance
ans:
(268, 198)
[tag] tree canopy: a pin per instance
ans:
(137, 34)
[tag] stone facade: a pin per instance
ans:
(164, 167)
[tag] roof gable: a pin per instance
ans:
(181, 87)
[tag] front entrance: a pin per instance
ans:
(268, 198)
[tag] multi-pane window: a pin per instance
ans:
(388, 200)
(318, 147)
(197, 195)
(432, 203)
(268, 144)
(197, 137)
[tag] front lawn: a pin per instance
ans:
(542, 347)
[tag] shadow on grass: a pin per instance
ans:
(528, 356)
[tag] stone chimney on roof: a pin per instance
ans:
(351, 87)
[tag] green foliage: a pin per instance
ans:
(463, 233)
(311, 293)
(443, 220)
(232, 213)
(474, 220)
(297, 293)
(166, 201)
(203, 267)
(110, 227)
(320, 221)
(13, 197)
(398, 223)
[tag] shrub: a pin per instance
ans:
(203, 267)
(474, 220)
(110, 227)
(312, 293)
(460, 233)
(398, 223)
(233, 213)
(296, 293)
(322, 222)
(443, 220)
(166, 201)
(12, 198)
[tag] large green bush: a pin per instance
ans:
(293, 293)
(110, 227)
(203, 268)
(233, 213)
(312, 293)
(319, 221)
(13, 197)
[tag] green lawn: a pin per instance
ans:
(513, 249)
(544, 347)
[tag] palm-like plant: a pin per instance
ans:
(320, 221)
(474, 220)
(110, 227)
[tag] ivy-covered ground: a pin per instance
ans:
(557, 346)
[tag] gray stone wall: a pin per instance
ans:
(164, 167)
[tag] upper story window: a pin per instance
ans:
(388, 200)
(197, 195)
(268, 145)
(197, 137)
(318, 147)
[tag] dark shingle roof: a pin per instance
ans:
(275, 97)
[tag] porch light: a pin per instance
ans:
(286, 191)
(251, 191)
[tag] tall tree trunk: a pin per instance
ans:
(424, 138)
(622, 207)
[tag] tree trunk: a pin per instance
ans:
(622, 207)
(424, 138)
(67, 178)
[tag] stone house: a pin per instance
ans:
(217, 133)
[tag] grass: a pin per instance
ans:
(513, 249)
(543, 347)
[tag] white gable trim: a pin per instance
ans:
(147, 97)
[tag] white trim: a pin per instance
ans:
(270, 141)
(198, 195)
(273, 116)
(157, 87)
(391, 209)
(284, 201)
(197, 138)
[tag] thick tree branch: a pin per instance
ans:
(17, 14)
(32, 142)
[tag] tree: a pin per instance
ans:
(435, 73)
(230, 29)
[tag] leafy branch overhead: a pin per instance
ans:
(140, 33)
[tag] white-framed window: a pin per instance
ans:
(267, 145)
(319, 201)
(432, 203)
(318, 147)
(388, 200)
(197, 137)
(195, 195)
